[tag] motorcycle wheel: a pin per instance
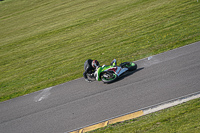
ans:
(108, 77)
(130, 65)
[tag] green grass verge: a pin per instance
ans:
(46, 42)
(183, 118)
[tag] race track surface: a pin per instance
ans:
(77, 103)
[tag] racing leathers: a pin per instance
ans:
(88, 69)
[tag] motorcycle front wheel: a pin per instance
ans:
(108, 77)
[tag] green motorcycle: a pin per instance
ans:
(110, 73)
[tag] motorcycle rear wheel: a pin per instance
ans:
(108, 77)
(130, 65)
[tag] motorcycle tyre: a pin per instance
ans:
(132, 68)
(109, 81)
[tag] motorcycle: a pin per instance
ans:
(110, 73)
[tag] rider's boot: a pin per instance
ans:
(114, 62)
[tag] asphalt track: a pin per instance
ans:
(77, 103)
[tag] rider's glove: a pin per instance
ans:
(92, 75)
(87, 80)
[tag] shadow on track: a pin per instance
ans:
(127, 74)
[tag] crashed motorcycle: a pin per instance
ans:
(110, 73)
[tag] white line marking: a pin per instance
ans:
(43, 95)
(153, 108)
(149, 58)
(170, 104)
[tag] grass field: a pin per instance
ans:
(46, 42)
(182, 118)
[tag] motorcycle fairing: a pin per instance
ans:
(116, 69)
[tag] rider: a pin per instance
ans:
(90, 66)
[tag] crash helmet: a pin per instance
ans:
(95, 64)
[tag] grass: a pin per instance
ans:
(46, 42)
(183, 118)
